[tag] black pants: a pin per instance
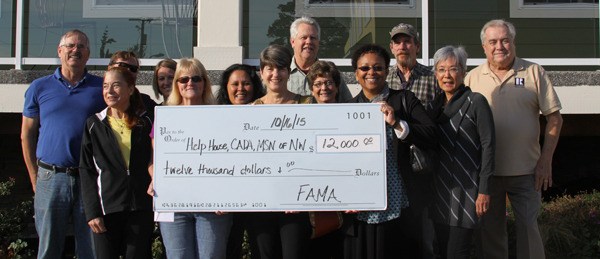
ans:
(329, 246)
(279, 235)
(416, 232)
(373, 241)
(236, 236)
(128, 234)
(453, 242)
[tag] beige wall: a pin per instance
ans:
(574, 99)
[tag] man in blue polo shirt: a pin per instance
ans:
(56, 107)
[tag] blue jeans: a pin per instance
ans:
(196, 235)
(57, 200)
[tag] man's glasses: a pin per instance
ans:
(132, 68)
(186, 79)
(323, 84)
(71, 46)
(367, 68)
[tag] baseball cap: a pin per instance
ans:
(404, 28)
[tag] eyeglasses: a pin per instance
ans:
(452, 70)
(132, 68)
(323, 84)
(367, 68)
(71, 46)
(186, 79)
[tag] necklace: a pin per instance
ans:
(120, 123)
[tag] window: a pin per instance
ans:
(554, 8)
(358, 8)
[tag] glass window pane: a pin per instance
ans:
(268, 21)
(147, 30)
(6, 29)
(451, 22)
(460, 23)
(535, 2)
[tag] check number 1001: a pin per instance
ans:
(348, 143)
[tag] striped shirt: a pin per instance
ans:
(466, 157)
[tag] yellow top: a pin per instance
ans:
(123, 135)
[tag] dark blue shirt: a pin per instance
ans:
(62, 110)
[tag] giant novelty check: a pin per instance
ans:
(269, 158)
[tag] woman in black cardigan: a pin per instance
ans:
(377, 234)
(466, 155)
(115, 153)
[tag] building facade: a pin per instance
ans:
(562, 35)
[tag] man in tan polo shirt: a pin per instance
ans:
(517, 91)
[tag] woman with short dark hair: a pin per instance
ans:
(377, 234)
(324, 81)
(278, 234)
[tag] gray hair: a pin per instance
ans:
(305, 20)
(447, 52)
(512, 32)
(71, 33)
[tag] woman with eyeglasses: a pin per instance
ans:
(115, 153)
(194, 234)
(377, 234)
(162, 80)
(279, 234)
(461, 195)
(324, 80)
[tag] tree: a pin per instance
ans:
(104, 42)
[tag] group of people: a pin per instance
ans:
(87, 144)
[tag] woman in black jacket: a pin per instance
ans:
(466, 155)
(378, 234)
(115, 154)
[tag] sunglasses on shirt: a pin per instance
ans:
(186, 79)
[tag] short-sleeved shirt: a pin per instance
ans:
(298, 84)
(62, 110)
(422, 83)
(516, 102)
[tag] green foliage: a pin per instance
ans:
(104, 42)
(570, 226)
(158, 249)
(17, 250)
(13, 217)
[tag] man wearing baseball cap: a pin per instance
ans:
(410, 75)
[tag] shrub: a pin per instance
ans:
(13, 220)
(570, 226)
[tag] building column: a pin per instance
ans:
(219, 33)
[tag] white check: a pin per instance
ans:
(270, 158)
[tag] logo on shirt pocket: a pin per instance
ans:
(519, 82)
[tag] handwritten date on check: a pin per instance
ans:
(269, 158)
